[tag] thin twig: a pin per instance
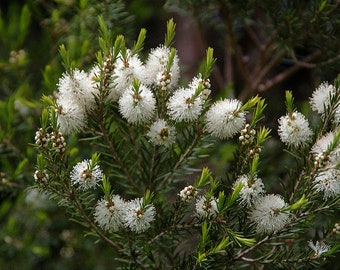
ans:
(285, 74)
(242, 253)
(183, 158)
(92, 225)
(235, 47)
(115, 155)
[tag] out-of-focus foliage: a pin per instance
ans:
(34, 234)
(262, 45)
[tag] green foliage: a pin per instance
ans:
(135, 168)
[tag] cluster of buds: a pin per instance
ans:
(40, 176)
(247, 135)
(42, 138)
(255, 151)
(58, 142)
(206, 88)
(188, 193)
(164, 80)
(3, 178)
(108, 67)
(320, 160)
(16, 56)
(336, 229)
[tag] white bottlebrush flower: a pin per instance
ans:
(137, 106)
(161, 133)
(294, 130)
(85, 175)
(126, 70)
(137, 217)
(156, 65)
(337, 115)
(224, 118)
(206, 207)
(81, 86)
(188, 193)
(328, 182)
(71, 115)
(319, 248)
(321, 97)
(267, 214)
(109, 213)
(322, 145)
(251, 190)
(196, 81)
(184, 105)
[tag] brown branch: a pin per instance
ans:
(115, 156)
(233, 44)
(183, 157)
(310, 65)
(92, 225)
(242, 253)
(253, 37)
(269, 84)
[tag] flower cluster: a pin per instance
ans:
(247, 135)
(188, 193)
(294, 130)
(115, 213)
(324, 100)
(40, 176)
(86, 175)
(252, 188)
(76, 97)
(146, 94)
(149, 129)
(42, 138)
(54, 140)
(268, 214)
(225, 118)
(319, 248)
(206, 207)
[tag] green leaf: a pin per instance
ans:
(301, 202)
(234, 195)
(201, 257)
(205, 235)
(65, 56)
(225, 242)
(208, 65)
(262, 135)
(170, 33)
(25, 20)
(254, 165)
(106, 187)
(289, 102)
(258, 112)
(45, 119)
(171, 59)
(82, 4)
(20, 167)
(105, 40)
(138, 46)
(205, 176)
(250, 103)
(147, 197)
